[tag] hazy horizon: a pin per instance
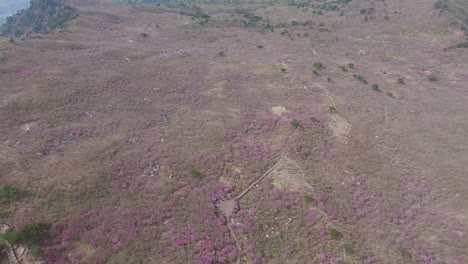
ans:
(9, 7)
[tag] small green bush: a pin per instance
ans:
(390, 94)
(351, 65)
(335, 234)
(401, 81)
(432, 78)
(30, 234)
(375, 87)
(318, 66)
(333, 109)
(460, 45)
(283, 69)
(221, 54)
(441, 4)
(360, 78)
(197, 174)
(329, 79)
(308, 198)
(404, 253)
(313, 120)
(343, 68)
(8, 194)
(36, 251)
(349, 249)
(259, 46)
(295, 123)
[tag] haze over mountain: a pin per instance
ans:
(9, 7)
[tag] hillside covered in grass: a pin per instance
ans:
(229, 131)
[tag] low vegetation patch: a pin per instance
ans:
(349, 249)
(460, 45)
(308, 198)
(196, 174)
(296, 123)
(193, 11)
(8, 194)
(30, 234)
(433, 78)
(318, 66)
(375, 87)
(252, 18)
(404, 253)
(335, 234)
(360, 78)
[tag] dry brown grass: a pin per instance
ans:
(99, 120)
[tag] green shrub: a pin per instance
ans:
(8, 194)
(351, 65)
(30, 234)
(404, 253)
(390, 94)
(375, 87)
(329, 79)
(36, 251)
(313, 120)
(318, 66)
(308, 198)
(401, 81)
(283, 69)
(335, 234)
(441, 4)
(197, 174)
(333, 109)
(259, 46)
(348, 249)
(360, 78)
(460, 45)
(221, 54)
(295, 123)
(432, 78)
(343, 68)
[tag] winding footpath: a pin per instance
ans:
(228, 207)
